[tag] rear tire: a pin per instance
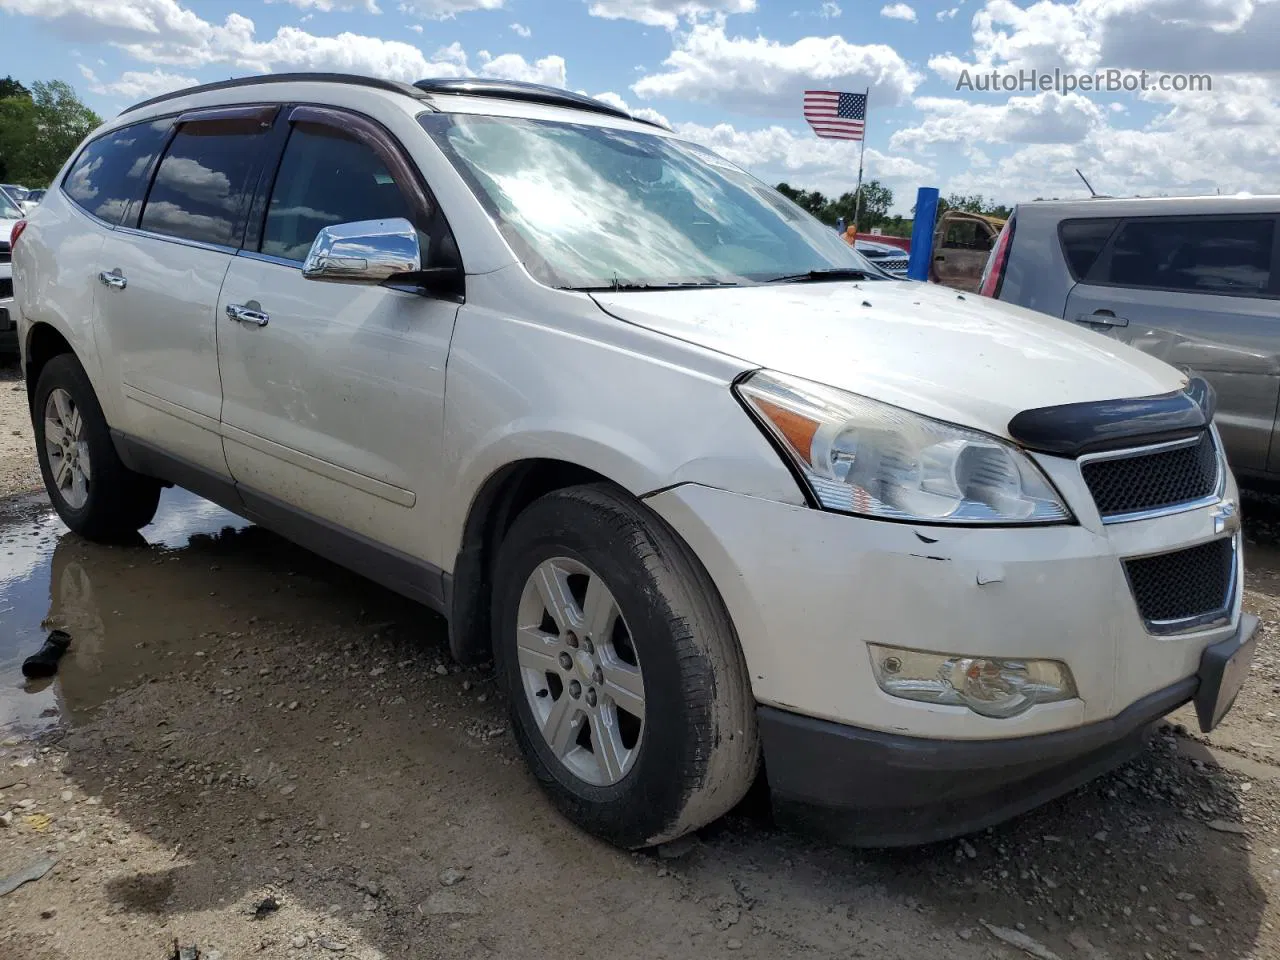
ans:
(95, 494)
(650, 726)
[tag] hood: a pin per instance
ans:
(957, 357)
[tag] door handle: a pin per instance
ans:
(1103, 318)
(250, 312)
(114, 279)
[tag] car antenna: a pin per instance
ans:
(1092, 192)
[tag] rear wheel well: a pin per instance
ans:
(495, 507)
(43, 344)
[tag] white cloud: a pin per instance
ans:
(641, 113)
(137, 84)
(444, 9)
(830, 9)
(1042, 118)
(163, 32)
(898, 11)
(776, 154)
(415, 27)
(761, 76)
(521, 30)
(328, 6)
(667, 13)
(511, 66)
(947, 14)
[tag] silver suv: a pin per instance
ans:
(1193, 281)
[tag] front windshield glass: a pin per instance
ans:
(8, 209)
(589, 207)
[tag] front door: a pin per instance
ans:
(333, 394)
(160, 275)
(1199, 293)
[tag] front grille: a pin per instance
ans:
(1183, 585)
(6, 288)
(893, 264)
(5, 254)
(1152, 481)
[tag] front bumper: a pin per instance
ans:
(869, 788)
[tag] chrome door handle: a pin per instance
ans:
(115, 281)
(1103, 318)
(244, 313)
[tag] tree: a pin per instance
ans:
(10, 87)
(39, 131)
(876, 201)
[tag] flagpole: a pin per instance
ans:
(862, 155)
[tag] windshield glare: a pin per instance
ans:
(592, 207)
(8, 209)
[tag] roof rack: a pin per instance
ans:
(349, 78)
(522, 90)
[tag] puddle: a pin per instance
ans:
(196, 576)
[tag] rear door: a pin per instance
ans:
(160, 274)
(1201, 294)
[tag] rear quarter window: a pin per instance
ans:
(1083, 242)
(1231, 256)
(112, 171)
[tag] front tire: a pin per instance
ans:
(628, 692)
(95, 494)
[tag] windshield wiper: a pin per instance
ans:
(817, 276)
(625, 286)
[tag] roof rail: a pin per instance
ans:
(350, 78)
(522, 90)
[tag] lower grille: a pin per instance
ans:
(1175, 590)
(5, 254)
(6, 288)
(1134, 483)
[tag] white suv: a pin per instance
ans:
(708, 487)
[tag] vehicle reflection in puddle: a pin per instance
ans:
(197, 575)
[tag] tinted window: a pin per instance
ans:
(324, 179)
(204, 181)
(111, 171)
(1082, 242)
(1196, 254)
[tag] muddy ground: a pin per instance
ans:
(251, 751)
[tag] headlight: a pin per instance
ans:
(862, 456)
(991, 686)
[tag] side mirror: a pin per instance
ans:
(366, 251)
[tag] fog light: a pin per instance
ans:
(991, 686)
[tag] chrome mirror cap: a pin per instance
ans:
(365, 251)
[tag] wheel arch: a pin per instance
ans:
(44, 342)
(496, 504)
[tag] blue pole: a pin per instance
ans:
(922, 233)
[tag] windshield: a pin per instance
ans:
(588, 207)
(8, 208)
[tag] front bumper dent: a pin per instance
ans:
(875, 789)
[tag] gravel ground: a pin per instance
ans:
(251, 751)
(18, 470)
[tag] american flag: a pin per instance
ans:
(836, 116)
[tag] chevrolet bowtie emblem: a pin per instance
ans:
(1226, 517)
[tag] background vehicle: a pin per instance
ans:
(961, 244)
(10, 214)
(704, 482)
(891, 259)
(32, 199)
(1193, 281)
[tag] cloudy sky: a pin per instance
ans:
(730, 73)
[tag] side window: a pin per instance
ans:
(205, 181)
(1082, 243)
(1196, 254)
(326, 178)
(111, 171)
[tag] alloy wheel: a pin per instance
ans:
(580, 671)
(67, 448)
